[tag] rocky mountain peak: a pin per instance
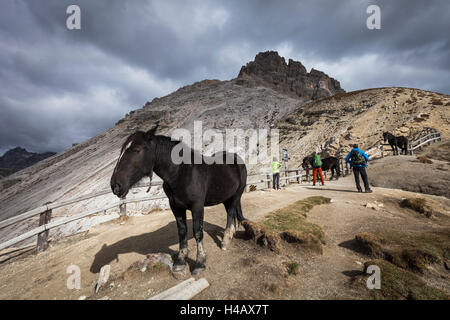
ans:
(269, 69)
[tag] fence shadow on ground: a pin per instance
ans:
(330, 189)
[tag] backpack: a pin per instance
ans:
(356, 157)
(317, 161)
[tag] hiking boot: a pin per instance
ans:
(359, 190)
(369, 191)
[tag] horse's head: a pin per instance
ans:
(136, 160)
(306, 161)
(385, 136)
(104, 257)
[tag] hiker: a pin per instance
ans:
(276, 173)
(317, 168)
(358, 161)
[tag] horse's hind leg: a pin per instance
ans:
(197, 219)
(231, 207)
(234, 216)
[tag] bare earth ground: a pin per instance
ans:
(408, 173)
(245, 271)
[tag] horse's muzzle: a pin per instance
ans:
(118, 190)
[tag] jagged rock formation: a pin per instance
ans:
(19, 158)
(270, 70)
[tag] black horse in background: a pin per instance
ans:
(329, 163)
(396, 142)
(189, 186)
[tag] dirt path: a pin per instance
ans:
(243, 271)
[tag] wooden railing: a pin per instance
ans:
(433, 136)
(375, 151)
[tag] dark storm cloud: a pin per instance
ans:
(60, 86)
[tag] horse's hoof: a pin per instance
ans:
(225, 245)
(198, 269)
(178, 267)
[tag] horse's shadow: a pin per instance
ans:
(157, 241)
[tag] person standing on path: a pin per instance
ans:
(317, 168)
(276, 173)
(358, 160)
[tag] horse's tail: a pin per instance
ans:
(239, 214)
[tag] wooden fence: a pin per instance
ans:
(431, 136)
(45, 212)
(265, 179)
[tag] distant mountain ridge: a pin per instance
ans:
(19, 158)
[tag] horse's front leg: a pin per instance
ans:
(393, 147)
(197, 220)
(180, 217)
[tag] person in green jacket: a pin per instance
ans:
(276, 173)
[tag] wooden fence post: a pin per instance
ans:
(42, 238)
(268, 182)
(123, 209)
(297, 174)
(382, 151)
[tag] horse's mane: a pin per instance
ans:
(164, 143)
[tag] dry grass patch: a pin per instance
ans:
(399, 284)
(292, 268)
(407, 250)
(424, 159)
(417, 204)
(289, 224)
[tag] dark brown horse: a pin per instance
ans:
(396, 142)
(329, 163)
(188, 186)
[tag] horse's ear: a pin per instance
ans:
(150, 133)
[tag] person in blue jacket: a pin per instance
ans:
(358, 161)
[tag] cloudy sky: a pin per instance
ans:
(61, 86)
